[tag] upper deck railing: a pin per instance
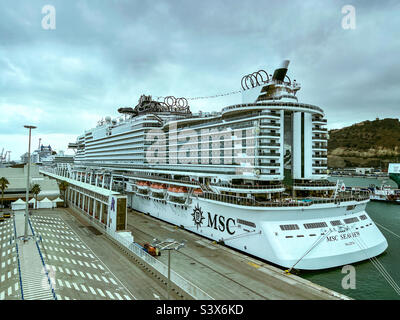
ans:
(287, 202)
(273, 104)
(246, 186)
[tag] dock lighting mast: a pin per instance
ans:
(27, 183)
(168, 244)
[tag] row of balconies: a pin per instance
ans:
(269, 154)
(319, 120)
(266, 122)
(270, 134)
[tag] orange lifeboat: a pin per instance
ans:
(142, 185)
(177, 191)
(197, 191)
(155, 187)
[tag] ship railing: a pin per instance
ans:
(268, 123)
(286, 202)
(319, 120)
(267, 154)
(160, 178)
(246, 186)
(273, 105)
(269, 144)
(264, 162)
(270, 134)
(315, 184)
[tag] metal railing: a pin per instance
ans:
(154, 177)
(314, 184)
(43, 263)
(289, 202)
(18, 259)
(272, 105)
(246, 186)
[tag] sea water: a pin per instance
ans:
(369, 282)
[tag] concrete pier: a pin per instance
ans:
(222, 272)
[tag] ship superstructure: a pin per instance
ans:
(252, 175)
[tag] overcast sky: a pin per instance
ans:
(104, 54)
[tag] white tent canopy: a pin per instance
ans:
(18, 205)
(45, 204)
(55, 201)
(33, 201)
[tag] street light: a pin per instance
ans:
(27, 183)
(168, 244)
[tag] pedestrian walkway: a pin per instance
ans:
(54, 263)
(33, 273)
(9, 275)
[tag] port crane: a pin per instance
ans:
(5, 157)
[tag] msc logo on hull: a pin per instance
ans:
(215, 221)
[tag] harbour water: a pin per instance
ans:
(370, 284)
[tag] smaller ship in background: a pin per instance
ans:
(384, 193)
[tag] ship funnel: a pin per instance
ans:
(280, 73)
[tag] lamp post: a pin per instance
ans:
(27, 183)
(168, 244)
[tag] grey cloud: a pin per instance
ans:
(104, 54)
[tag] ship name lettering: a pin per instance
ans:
(332, 238)
(349, 235)
(222, 224)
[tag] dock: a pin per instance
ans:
(224, 273)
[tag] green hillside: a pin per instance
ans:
(365, 144)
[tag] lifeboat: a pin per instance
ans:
(197, 192)
(142, 185)
(176, 191)
(157, 188)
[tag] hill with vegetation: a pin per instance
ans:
(365, 144)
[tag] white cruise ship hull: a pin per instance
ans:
(256, 230)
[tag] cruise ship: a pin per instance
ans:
(252, 176)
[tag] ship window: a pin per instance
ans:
(246, 223)
(286, 227)
(351, 220)
(315, 225)
(336, 223)
(363, 217)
